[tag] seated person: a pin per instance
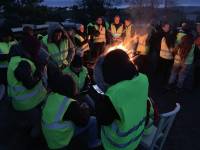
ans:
(78, 72)
(124, 104)
(63, 118)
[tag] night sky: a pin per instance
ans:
(71, 2)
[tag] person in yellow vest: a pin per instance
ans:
(64, 118)
(129, 30)
(124, 103)
(99, 39)
(141, 41)
(80, 75)
(81, 41)
(78, 72)
(166, 57)
(184, 30)
(57, 45)
(182, 67)
(116, 30)
(25, 86)
(5, 44)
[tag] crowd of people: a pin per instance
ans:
(65, 85)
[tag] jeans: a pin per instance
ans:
(179, 73)
(91, 131)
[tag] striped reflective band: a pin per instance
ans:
(27, 96)
(58, 117)
(57, 125)
(124, 144)
(123, 134)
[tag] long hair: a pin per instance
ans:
(185, 46)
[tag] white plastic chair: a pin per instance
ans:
(2, 91)
(159, 134)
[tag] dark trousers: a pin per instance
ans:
(197, 76)
(3, 76)
(142, 63)
(97, 50)
(164, 69)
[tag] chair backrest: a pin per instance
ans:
(165, 123)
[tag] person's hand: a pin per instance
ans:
(84, 106)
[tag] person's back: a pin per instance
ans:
(127, 93)
(130, 104)
(24, 75)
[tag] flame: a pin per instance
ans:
(123, 46)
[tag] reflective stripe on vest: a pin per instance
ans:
(59, 55)
(102, 36)
(116, 33)
(123, 134)
(84, 47)
(124, 145)
(57, 132)
(179, 37)
(142, 47)
(27, 96)
(23, 98)
(126, 132)
(128, 31)
(61, 111)
(79, 80)
(165, 51)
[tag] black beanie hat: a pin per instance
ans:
(77, 61)
(117, 67)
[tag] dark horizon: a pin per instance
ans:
(64, 3)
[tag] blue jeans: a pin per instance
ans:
(91, 131)
(179, 73)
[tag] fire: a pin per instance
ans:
(123, 46)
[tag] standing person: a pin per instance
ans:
(5, 44)
(184, 56)
(129, 30)
(166, 58)
(124, 104)
(64, 118)
(116, 30)
(99, 40)
(58, 45)
(25, 85)
(142, 49)
(184, 30)
(81, 41)
(197, 63)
